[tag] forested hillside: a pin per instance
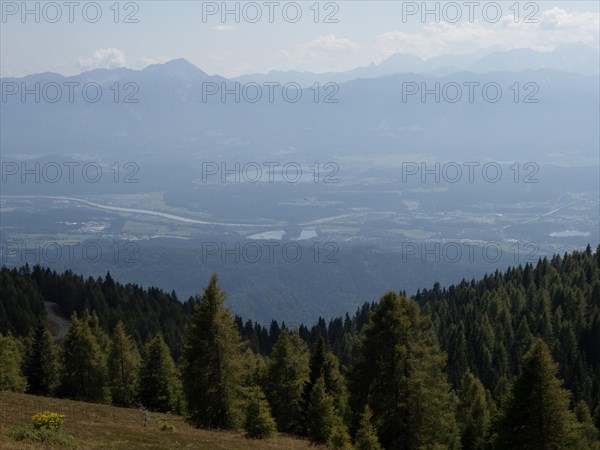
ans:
(509, 361)
(144, 312)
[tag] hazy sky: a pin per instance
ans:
(347, 33)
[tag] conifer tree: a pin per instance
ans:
(157, 377)
(83, 370)
(99, 333)
(473, 413)
(286, 374)
(324, 363)
(400, 376)
(40, 362)
(590, 437)
(321, 414)
(252, 369)
(366, 436)
(339, 438)
(211, 363)
(537, 415)
(11, 378)
(259, 423)
(123, 367)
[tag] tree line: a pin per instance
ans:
(509, 361)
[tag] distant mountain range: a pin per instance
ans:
(176, 117)
(576, 58)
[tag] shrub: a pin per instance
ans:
(27, 433)
(48, 421)
(167, 427)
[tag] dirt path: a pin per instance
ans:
(58, 325)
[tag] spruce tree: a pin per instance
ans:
(537, 415)
(40, 361)
(83, 370)
(339, 438)
(259, 423)
(590, 438)
(211, 363)
(473, 413)
(326, 364)
(321, 414)
(123, 367)
(157, 377)
(366, 436)
(286, 374)
(400, 375)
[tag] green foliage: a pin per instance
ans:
(83, 372)
(252, 376)
(287, 373)
(400, 375)
(42, 436)
(157, 377)
(590, 438)
(366, 436)
(537, 414)
(21, 301)
(391, 352)
(339, 437)
(211, 363)
(145, 312)
(10, 365)
(322, 417)
(99, 333)
(259, 423)
(40, 365)
(123, 367)
(326, 364)
(486, 326)
(473, 413)
(167, 427)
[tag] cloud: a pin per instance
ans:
(330, 43)
(555, 27)
(320, 53)
(223, 28)
(103, 58)
(144, 61)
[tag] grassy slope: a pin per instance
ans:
(106, 427)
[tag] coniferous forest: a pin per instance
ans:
(510, 361)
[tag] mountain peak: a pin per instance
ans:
(180, 62)
(177, 67)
